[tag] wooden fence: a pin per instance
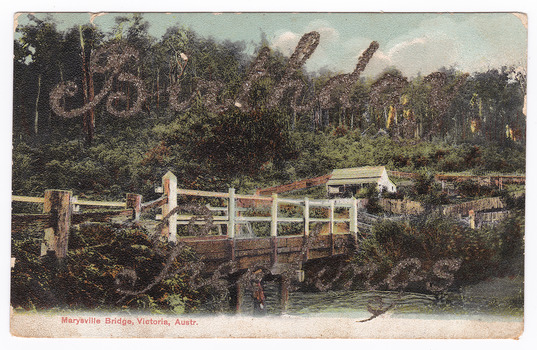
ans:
(485, 219)
(408, 207)
(483, 180)
(401, 206)
(477, 205)
(486, 180)
(297, 185)
(402, 174)
(61, 210)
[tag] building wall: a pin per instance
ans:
(385, 183)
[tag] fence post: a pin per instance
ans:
(169, 184)
(231, 212)
(134, 202)
(58, 205)
(306, 216)
(471, 214)
(75, 207)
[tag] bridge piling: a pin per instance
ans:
(283, 287)
(236, 295)
(232, 249)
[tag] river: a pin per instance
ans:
(500, 298)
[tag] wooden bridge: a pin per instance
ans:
(343, 221)
(334, 234)
(321, 228)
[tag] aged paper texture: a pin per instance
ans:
(268, 175)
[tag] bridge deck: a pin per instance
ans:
(249, 252)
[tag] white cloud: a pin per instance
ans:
(329, 35)
(412, 55)
(418, 55)
(286, 42)
(472, 44)
(402, 46)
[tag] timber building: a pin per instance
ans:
(344, 182)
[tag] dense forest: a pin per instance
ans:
(104, 113)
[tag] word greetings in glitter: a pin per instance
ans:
(110, 60)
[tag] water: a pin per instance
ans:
(500, 299)
(355, 303)
(358, 304)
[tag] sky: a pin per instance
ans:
(415, 43)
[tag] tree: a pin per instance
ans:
(40, 42)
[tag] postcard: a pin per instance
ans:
(268, 175)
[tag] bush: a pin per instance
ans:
(432, 238)
(471, 189)
(103, 265)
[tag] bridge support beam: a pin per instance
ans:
(274, 250)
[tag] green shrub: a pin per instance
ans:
(432, 238)
(104, 264)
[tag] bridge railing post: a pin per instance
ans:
(332, 207)
(306, 216)
(353, 213)
(169, 185)
(231, 212)
(274, 216)
(332, 226)
(274, 228)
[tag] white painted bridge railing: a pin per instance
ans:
(232, 219)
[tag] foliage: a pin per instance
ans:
(484, 253)
(261, 147)
(102, 261)
(471, 189)
(426, 190)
